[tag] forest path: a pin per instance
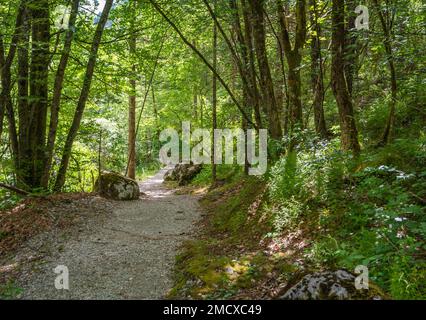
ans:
(130, 255)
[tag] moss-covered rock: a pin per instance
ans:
(116, 187)
(183, 173)
(332, 285)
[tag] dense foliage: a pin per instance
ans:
(344, 107)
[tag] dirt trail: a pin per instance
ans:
(128, 255)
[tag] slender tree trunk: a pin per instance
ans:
(266, 82)
(25, 152)
(214, 99)
(387, 22)
(285, 108)
(157, 123)
(295, 90)
(350, 46)
(6, 82)
(84, 94)
(241, 61)
(279, 83)
(1, 115)
(2, 64)
(317, 74)
(387, 135)
(349, 132)
(250, 90)
(131, 170)
(10, 114)
(294, 58)
(57, 93)
(148, 89)
(248, 43)
(195, 105)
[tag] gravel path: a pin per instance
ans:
(127, 255)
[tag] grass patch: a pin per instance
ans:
(9, 291)
(226, 262)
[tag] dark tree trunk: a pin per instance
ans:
(350, 46)
(57, 93)
(294, 58)
(2, 63)
(131, 171)
(248, 44)
(39, 68)
(317, 73)
(131, 168)
(84, 94)
(266, 83)
(25, 152)
(349, 132)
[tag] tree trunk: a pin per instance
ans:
(57, 93)
(25, 152)
(39, 73)
(266, 83)
(131, 170)
(214, 99)
(6, 82)
(317, 74)
(349, 132)
(387, 42)
(295, 90)
(2, 63)
(157, 123)
(350, 46)
(84, 94)
(241, 61)
(294, 58)
(248, 44)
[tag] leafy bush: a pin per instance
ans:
(371, 210)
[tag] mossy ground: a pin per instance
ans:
(228, 259)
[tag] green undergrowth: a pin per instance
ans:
(225, 257)
(9, 291)
(320, 208)
(359, 211)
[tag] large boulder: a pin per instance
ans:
(116, 187)
(183, 173)
(331, 285)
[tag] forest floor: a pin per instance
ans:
(113, 250)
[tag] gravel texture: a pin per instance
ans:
(126, 253)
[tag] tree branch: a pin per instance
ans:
(201, 56)
(14, 189)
